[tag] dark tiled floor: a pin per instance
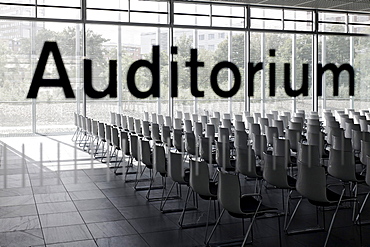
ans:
(97, 212)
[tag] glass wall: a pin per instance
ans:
(126, 30)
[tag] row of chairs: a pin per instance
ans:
(240, 154)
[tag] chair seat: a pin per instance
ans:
(213, 186)
(333, 198)
(291, 181)
(248, 204)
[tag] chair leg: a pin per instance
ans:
(251, 225)
(362, 206)
(333, 218)
(209, 209)
(181, 219)
(214, 228)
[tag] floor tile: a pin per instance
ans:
(171, 238)
(83, 243)
(130, 240)
(25, 238)
(60, 219)
(111, 229)
(101, 215)
(54, 197)
(64, 234)
(86, 194)
(153, 224)
(19, 223)
(14, 211)
(56, 207)
(16, 200)
(93, 204)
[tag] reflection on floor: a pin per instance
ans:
(93, 207)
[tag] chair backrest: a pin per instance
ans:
(259, 144)
(246, 161)
(115, 138)
(198, 129)
(216, 123)
(137, 124)
(342, 165)
(334, 131)
(124, 142)
(155, 132)
(159, 160)
(199, 178)
(168, 121)
(279, 124)
(223, 135)
(179, 114)
(217, 115)
(296, 126)
(175, 168)
(275, 171)
(223, 155)
(367, 176)
(166, 135)
(118, 120)
(365, 151)
(205, 150)
(276, 114)
(226, 123)
(146, 116)
(255, 129)
(154, 117)
(239, 126)
(313, 121)
(187, 116)
(281, 147)
(177, 123)
(123, 121)
(294, 137)
(188, 125)
(317, 139)
(210, 131)
(238, 118)
(113, 118)
(95, 128)
(131, 125)
(364, 125)
(145, 152)
(204, 121)
(256, 117)
(241, 138)
(357, 136)
(160, 120)
(271, 133)
(342, 143)
(308, 155)
(101, 131)
(177, 140)
(88, 125)
(313, 189)
(194, 117)
(263, 122)
(134, 147)
(285, 121)
(108, 133)
(229, 192)
(146, 129)
(190, 143)
(249, 120)
(270, 118)
(349, 128)
(313, 128)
